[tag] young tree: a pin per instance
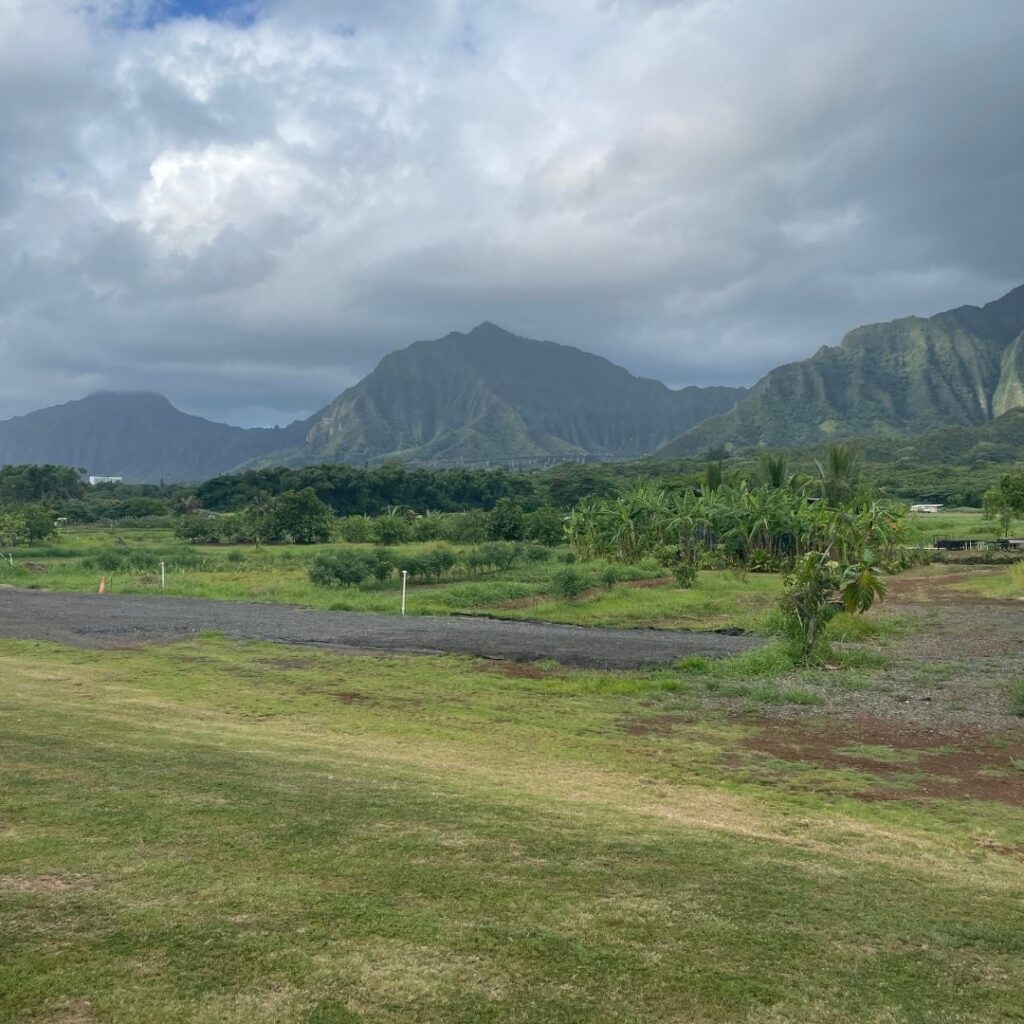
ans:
(507, 521)
(302, 516)
(997, 504)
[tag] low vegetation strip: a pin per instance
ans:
(98, 620)
(219, 832)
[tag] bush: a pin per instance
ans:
(569, 583)
(567, 557)
(341, 568)
(466, 527)
(534, 553)
(356, 529)
(545, 526)
(609, 577)
(392, 529)
(501, 554)
(199, 529)
(816, 591)
(302, 516)
(381, 563)
(685, 574)
(506, 521)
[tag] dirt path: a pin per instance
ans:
(91, 620)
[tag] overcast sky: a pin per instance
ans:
(245, 205)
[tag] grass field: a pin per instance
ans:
(280, 574)
(217, 832)
(924, 527)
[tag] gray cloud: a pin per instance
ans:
(246, 211)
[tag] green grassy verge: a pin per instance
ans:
(281, 575)
(218, 832)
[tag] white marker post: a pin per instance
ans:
(163, 577)
(405, 576)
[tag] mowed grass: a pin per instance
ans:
(280, 575)
(220, 832)
(924, 527)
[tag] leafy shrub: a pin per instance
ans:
(356, 529)
(545, 526)
(502, 555)
(533, 553)
(392, 529)
(569, 583)
(236, 556)
(381, 562)
(506, 521)
(609, 577)
(819, 588)
(466, 527)
(567, 557)
(341, 568)
(685, 574)
(200, 529)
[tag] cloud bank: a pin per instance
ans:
(244, 205)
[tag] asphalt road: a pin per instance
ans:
(109, 620)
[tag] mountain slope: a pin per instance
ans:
(490, 395)
(137, 435)
(959, 368)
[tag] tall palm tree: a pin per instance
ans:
(840, 476)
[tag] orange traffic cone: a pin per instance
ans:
(103, 585)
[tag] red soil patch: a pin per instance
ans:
(961, 764)
(350, 697)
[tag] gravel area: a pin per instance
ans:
(109, 620)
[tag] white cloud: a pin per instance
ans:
(696, 189)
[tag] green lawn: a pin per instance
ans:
(218, 832)
(280, 574)
(924, 527)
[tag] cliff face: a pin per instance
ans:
(490, 395)
(959, 368)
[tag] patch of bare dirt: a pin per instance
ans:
(39, 883)
(351, 697)
(286, 662)
(961, 763)
(520, 670)
(654, 725)
(936, 583)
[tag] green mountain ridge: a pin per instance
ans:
(136, 435)
(490, 395)
(963, 367)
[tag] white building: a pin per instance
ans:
(925, 508)
(94, 480)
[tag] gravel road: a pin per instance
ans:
(92, 620)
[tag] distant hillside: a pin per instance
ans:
(490, 395)
(959, 368)
(137, 435)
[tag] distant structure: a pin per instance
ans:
(94, 480)
(925, 508)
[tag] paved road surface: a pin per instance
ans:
(93, 620)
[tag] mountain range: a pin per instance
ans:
(488, 396)
(959, 368)
(485, 396)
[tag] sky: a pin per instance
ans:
(244, 205)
